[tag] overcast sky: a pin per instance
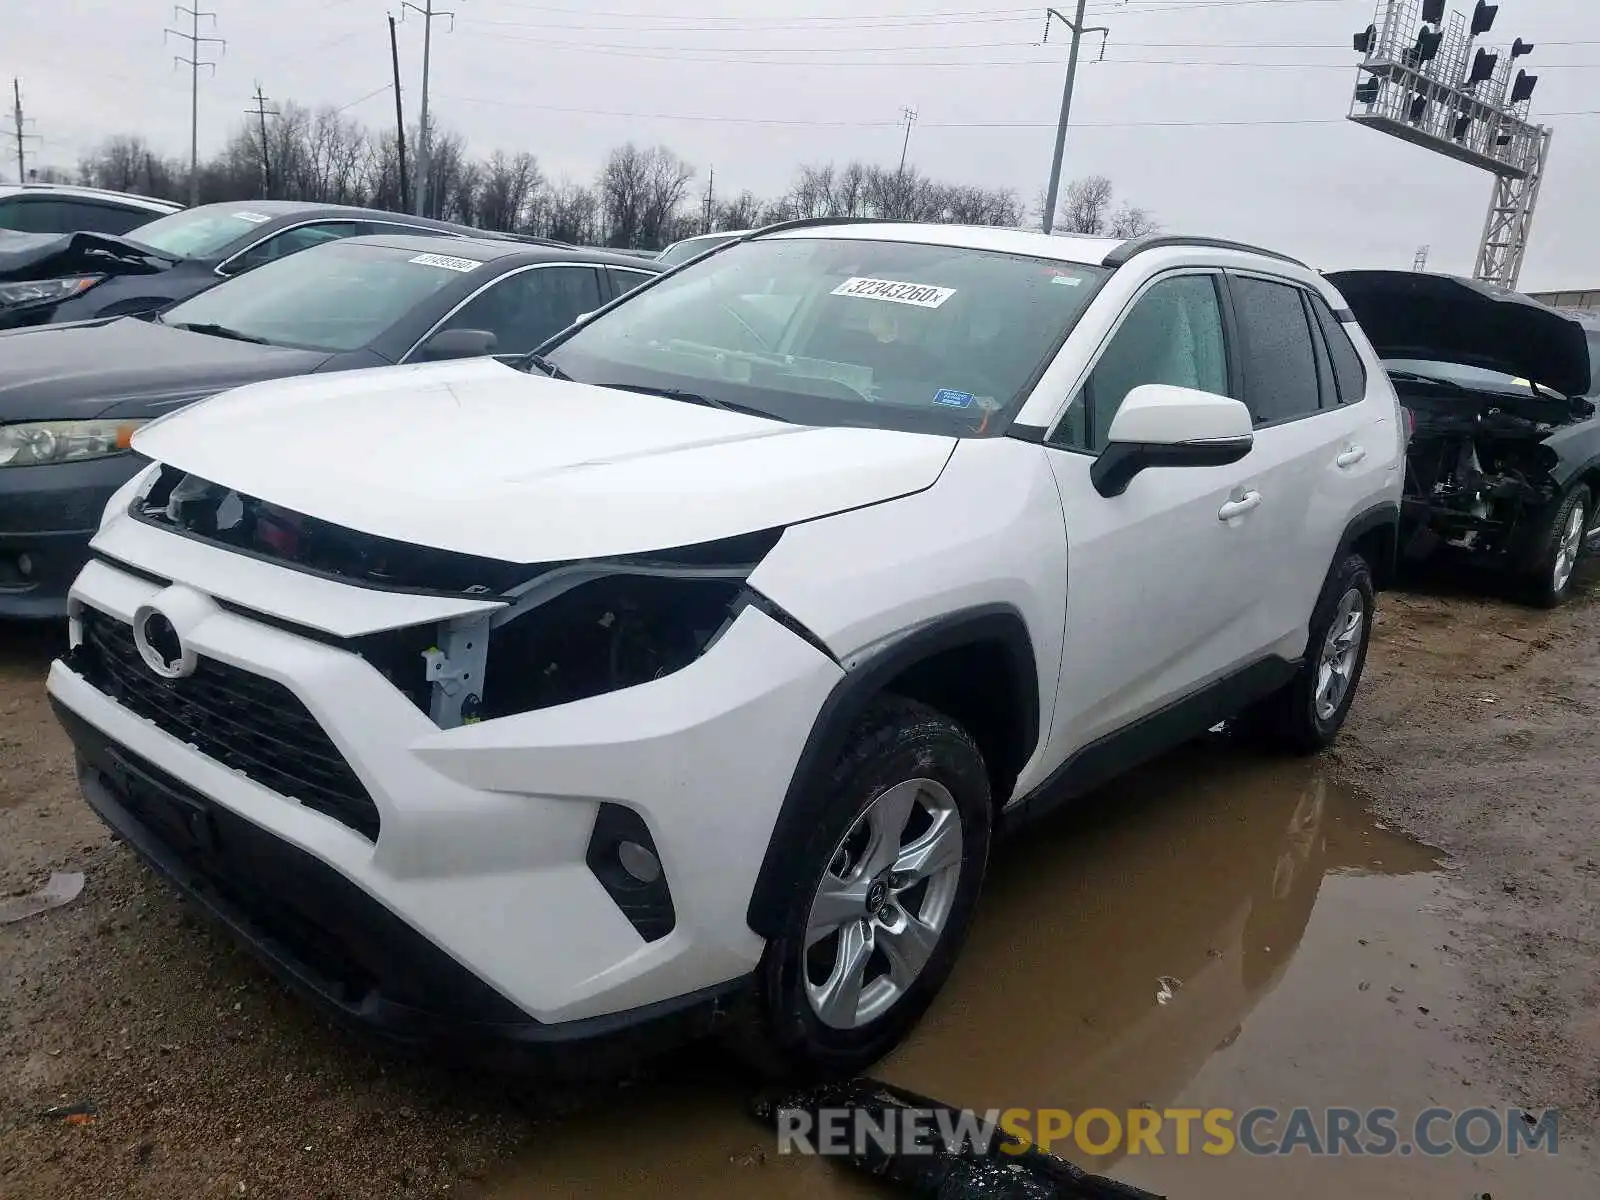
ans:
(752, 88)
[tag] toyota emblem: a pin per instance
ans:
(160, 646)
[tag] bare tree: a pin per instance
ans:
(1086, 207)
(507, 191)
(572, 214)
(666, 182)
(1130, 221)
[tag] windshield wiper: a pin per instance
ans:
(690, 398)
(532, 359)
(221, 331)
(1435, 380)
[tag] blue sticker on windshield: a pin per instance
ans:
(951, 398)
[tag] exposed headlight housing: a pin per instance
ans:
(37, 443)
(46, 291)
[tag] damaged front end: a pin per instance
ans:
(1479, 472)
(1491, 379)
(558, 632)
(39, 271)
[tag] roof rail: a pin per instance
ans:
(811, 222)
(1158, 241)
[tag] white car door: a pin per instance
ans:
(1312, 459)
(1161, 580)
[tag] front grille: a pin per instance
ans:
(244, 721)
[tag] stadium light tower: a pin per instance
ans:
(1424, 80)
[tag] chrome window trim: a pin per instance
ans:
(484, 287)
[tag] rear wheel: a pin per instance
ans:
(889, 877)
(1549, 582)
(1306, 714)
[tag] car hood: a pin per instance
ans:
(475, 457)
(48, 255)
(82, 369)
(1413, 314)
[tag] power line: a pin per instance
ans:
(809, 123)
(19, 125)
(195, 63)
(261, 112)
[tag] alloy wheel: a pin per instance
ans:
(883, 903)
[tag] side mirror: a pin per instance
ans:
(1163, 426)
(456, 343)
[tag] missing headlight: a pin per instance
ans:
(585, 629)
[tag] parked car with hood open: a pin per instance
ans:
(1503, 468)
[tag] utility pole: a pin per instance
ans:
(1078, 30)
(262, 112)
(711, 184)
(423, 136)
(399, 114)
(19, 123)
(195, 62)
(908, 116)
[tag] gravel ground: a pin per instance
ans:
(1475, 731)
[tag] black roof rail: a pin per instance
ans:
(811, 222)
(1157, 241)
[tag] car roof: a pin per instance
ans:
(74, 191)
(491, 249)
(1073, 248)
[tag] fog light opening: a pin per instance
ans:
(639, 862)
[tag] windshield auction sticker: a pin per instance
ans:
(445, 261)
(923, 295)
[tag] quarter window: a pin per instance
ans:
(1348, 370)
(1280, 366)
(1172, 335)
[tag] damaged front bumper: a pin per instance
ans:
(457, 876)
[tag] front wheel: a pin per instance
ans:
(1550, 580)
(886, 886)
(1306, 714)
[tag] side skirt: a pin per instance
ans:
(1149, 737)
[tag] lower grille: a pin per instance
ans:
(244, 721)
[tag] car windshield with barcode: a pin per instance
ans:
(844, 331)
(335, 297)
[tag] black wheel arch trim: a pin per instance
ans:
(1376, 517)
(864, 679)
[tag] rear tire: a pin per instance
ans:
(1560, 546)
(901, 833)
(1306, 714)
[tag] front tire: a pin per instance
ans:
(889, 875)
(1549, 581)
(1306, 714)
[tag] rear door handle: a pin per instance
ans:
(1351, 457)
(1237, 508)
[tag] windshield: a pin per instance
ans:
(685, 250)
(197, 232)
(822, 331)
(337, 296)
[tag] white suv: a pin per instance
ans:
(680, 679)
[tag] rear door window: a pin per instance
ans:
(1280, 364)
(624, 280)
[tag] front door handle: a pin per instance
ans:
(1237, 508)
(1350, 457)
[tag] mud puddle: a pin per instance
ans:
(1218, 931)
